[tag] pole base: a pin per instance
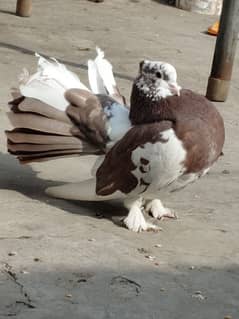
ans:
(217, 89)
(24, 8)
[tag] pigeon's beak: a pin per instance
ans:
(175, 88)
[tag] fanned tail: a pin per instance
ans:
(48, 122)
(42, 132)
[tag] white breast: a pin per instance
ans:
(165, 161)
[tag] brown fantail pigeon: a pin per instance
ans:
(168, 138)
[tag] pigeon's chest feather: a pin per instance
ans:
(158, 164)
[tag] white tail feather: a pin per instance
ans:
(105, 70)
(100, 75)
(45, 93)
(49, 83)
(84, 190)
(52, 79)
(95, 80)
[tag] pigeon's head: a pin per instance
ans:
(157, 79)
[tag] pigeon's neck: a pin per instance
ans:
(144, 109)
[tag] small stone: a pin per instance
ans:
(158, 245)
(68, 295)
(36, 259)
(142, 251)
(223, 230)
(228, 317)
(192, 267)
(198, 295)
(91, 239)
(81, 280)
(24, 272)
(12, 253)
(226, 172)
(162, 289)
(156, 264)
(150, 257)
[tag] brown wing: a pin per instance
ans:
(115, 173)
(86, 111)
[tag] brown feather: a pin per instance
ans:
(37, 148)
(115, 173)
(36, 106)
(87, 113)
(39, 123)
(42, 132)
(34, 137)
(46, 156)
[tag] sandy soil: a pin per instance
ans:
(58, 258)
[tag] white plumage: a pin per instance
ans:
(52, 79)
(161, 142)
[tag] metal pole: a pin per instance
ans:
(24, 8)
(219, 80)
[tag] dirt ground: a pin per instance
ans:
(62, 259)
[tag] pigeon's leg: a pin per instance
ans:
(158, 211)
(135, 220)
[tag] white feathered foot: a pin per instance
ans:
(135, 220)
(158, 211)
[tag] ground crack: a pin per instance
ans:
(125, 286)
(8, 269)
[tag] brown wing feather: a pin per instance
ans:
(87, 113)
(115, 173)
(39, 123)
(33, 137)
(36, 106)
(42, 132)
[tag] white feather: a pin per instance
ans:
(95, 80)
(41, 90)
(49, 83)
(84, 190)
(105, 71)
(100, 74)
(52, 79)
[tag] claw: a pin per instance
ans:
(158, 211)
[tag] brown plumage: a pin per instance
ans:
(42, 132)
(116, 171)
(195, 121)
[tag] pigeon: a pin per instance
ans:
(167, 138)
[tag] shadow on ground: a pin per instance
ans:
(7, 12)
(23, 179)
(166, 2)
(82, 66)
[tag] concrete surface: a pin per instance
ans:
(59, 259)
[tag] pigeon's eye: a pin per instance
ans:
(158, 75)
